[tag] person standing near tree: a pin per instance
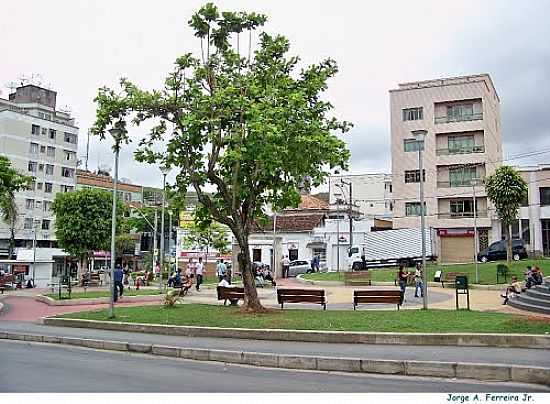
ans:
(198, 273)
(221, 270)
(418, 281)
(119, 287)
(402, 276)
(286, 264)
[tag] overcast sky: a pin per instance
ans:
(78, 46)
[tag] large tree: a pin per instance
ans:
(507, 190)
(245, 126)
(10, 183)
(83, 221)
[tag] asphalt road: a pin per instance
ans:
(30, 367)
(509, 356)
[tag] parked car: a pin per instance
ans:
(497, 251)
(298, 267)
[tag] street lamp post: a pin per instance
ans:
(420, 136)
(476, 242)
(117, 134)
(36, 222)
(164, 171)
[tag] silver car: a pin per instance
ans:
(298, 267)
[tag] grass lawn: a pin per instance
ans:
(381, 320)
(487, 271)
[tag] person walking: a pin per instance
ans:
(286, 265)
(221, 270)
(119, 287)
(419, 284)
(199, 268)
(402, 276)
(190, 271)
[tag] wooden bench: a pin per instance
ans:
(184, 286)
(302, 296)
(91, 279)
(5, 279)
(450, 277)
(502, 270)
(359, 278)
(233, 294)
(376, 296)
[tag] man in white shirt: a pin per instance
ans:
(199, 267)
(286, 265)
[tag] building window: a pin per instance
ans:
(52, 134)
(51, 151)
(48, 187)
(67, 172)
(544, 196)
(66, 188)
(256, 255)
(127, 197)
(413, 114)
(460, 112)
(515, 229)
(413, 209)
(525, 201)
(32, 185)
(293, 254)
(525, 231)
(44, 131)
(462, 176)
(47, 206)
(35, 130)
(42, 149)
(40, 167)
(412, 145)
(28, 223)
(38, 205)
(321, 252)
(70, 138)
(39, 186)
(414, 176)
(45, 224)
(34, 148)
(29, 203)
(460, 144)
(32, 166)
(49, 169)
(69, 155)
(462, 208)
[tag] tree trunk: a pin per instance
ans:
(509, 243)
(11, 246)
(251, 300)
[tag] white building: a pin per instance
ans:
(371, 193)
(41, 142)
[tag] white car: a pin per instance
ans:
(298, 267)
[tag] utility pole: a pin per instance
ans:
(155, 241)
(273, 269)
(338, 235)
(162, 229)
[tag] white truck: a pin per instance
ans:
(392, 247)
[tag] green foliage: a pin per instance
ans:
(506, 189)
(10, 183)
(208, 234)
(83, 220)
(249, 127)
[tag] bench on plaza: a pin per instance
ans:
(371, 296)
(233, 294)
(184, 286)
(502, 270)
(450, 277)
(90, 279)
(7, 279)
(316, 296)
(359, 278)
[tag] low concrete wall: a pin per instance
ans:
(95, 300)
(382, 338)
(477, 371)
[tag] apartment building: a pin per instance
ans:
(463, 145)
(41, 142)
(533, 224)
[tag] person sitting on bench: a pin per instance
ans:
(224, 283)
(513, 289)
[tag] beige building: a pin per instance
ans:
(41, 142)
(463, 143)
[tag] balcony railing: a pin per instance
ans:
(459, 118)
(458, 183)
(461, 150)
(461, 215)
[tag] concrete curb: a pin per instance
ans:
(477, 371)
(529, 341)
(95, 300)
